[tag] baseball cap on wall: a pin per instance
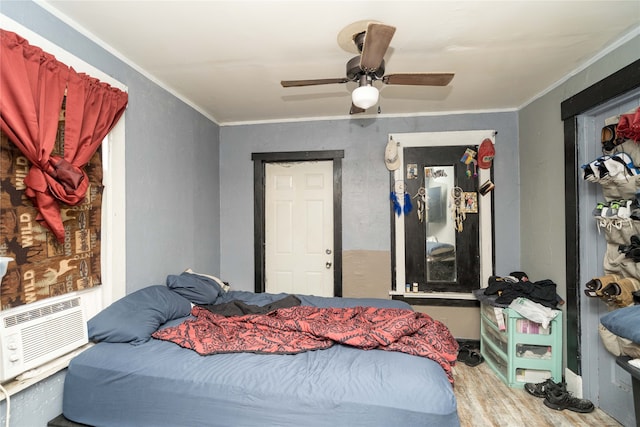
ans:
(486, 153)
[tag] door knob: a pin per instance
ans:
(328, 264)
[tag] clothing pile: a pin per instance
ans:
(518, 285)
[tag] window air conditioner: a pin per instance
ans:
(37, 333)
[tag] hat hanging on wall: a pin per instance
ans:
(391, 157)
(486, 153)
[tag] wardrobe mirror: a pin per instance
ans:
(440, 230)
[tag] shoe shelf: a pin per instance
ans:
(523, 351)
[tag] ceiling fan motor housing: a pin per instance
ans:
(358, 39)
(354, 71)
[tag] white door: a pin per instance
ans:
(299, 228)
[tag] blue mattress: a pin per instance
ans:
(158, 383)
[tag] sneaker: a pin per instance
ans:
(624, 211)
(541, 389)
(589, 175)
(560, 400)
(613, 208)
(597, 211)
(610, 138)
(634, 254)
(603, 172)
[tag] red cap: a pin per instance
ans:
(486, 152)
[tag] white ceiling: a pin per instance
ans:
(227, 58)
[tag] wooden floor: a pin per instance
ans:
(484, 400)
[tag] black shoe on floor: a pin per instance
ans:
(541, 389)
(469, 356)
(559, 400)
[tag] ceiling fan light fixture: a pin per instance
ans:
(365, 96)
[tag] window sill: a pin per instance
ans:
(33, 376)
(448, 295)
(453, 299)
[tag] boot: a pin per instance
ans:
(624, 293)
(597, 284)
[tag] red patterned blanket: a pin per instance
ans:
(304, 328)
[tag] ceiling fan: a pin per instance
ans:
(368, 66)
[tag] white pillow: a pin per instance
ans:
(225, 287)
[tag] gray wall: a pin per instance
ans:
(172, 191)
(365, 200)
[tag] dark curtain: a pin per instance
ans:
(33, 85)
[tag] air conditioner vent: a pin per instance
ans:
(43, 311)
(50, 335)
(40, 332)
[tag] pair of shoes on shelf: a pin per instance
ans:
(616, 167)
(614, 209)
(613, 289)
(597, 284)
(470, 357)
(557, 397)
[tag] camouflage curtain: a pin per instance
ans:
(43, 267)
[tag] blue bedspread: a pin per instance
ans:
(161, 384)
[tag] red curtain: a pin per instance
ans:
(32, 88)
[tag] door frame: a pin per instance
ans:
(485, 214)
(607, 89)
(259, 161)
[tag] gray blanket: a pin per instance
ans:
(239, 308)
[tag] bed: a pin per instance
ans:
(130, 378)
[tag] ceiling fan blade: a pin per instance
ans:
(418, 79)
(376, 42)
(294, 83)
(356, 110)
